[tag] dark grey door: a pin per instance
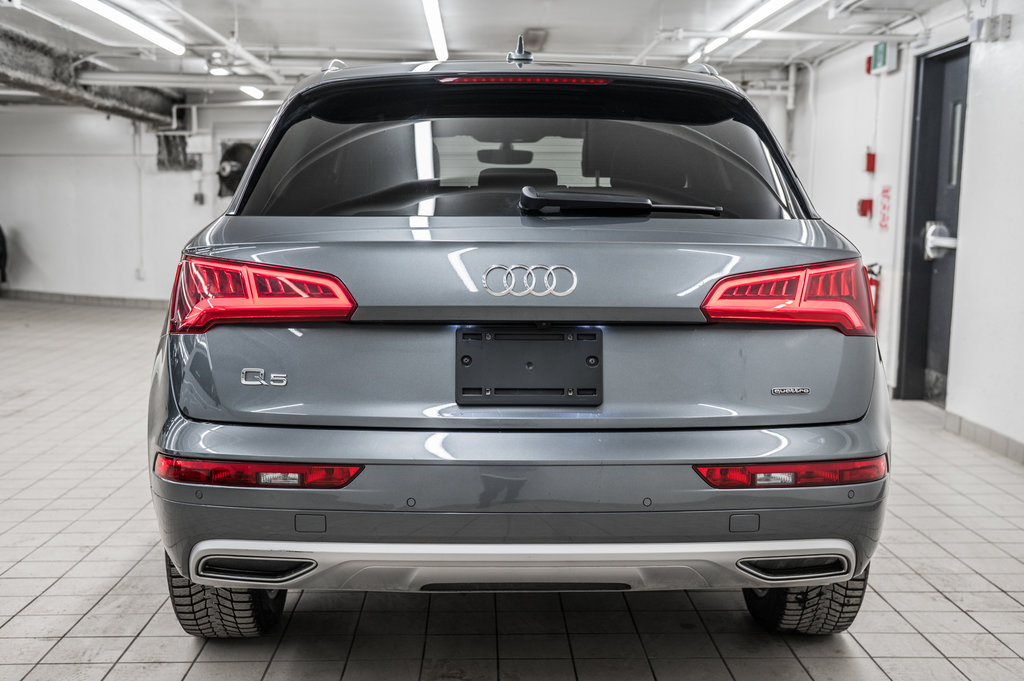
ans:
(930, 254)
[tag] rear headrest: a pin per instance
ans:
(517, 177)
(651, 158)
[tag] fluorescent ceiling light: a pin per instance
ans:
(219, 71)
(252, 91)
(132, 24)
(432, 11)
(758, 15)
(714, 45)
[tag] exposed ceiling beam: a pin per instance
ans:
(30, 64)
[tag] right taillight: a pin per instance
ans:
(814, 474)
(209, 291)
(827, 294)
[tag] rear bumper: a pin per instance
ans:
(430, 567)
(518, 507)
(410, 550)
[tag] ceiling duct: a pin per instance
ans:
(30, 64)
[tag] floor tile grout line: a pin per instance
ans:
(284, 632)
(714, 643)
(426, 629)
(636, 630)
(568, 638)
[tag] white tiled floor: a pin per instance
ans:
(82, 593)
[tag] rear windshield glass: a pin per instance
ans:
(470, 151)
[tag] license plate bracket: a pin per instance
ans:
(529, 366)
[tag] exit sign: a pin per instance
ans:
(885, 58)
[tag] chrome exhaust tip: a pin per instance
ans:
(787, 568)
(254, 568)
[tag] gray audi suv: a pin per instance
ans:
(513, 326)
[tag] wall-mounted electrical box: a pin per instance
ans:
(885, 58)
(990, 29)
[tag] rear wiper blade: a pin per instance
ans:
(534, 201)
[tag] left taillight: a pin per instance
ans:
(254, 474)
(826, 294)
(209, 291)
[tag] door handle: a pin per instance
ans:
(937, 240)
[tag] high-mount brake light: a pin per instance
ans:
(254, 474)
(530, 80)
(816, 474)
(827, 294)
(207, 292)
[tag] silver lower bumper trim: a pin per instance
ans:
(411, 567)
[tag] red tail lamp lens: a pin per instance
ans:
(247, 474)
(531, 80)
(817, 474)
(829, 294)
(208, 292)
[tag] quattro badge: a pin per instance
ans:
(791, 391)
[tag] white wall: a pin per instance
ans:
(848, 111)
(84, 208)
(986, 369)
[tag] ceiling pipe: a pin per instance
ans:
(892, 11)
(757, 35)
(795, 36)
(193, 109)
(662, 36)
(766, 92)
(852, 43)
(233, 46)
(174, 80)
(791, 89)
(27, 94)
(788, 18)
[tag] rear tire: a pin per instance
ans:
(212, 612)
(826, 609)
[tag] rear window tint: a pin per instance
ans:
(467, 150)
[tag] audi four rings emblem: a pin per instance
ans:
(537, 280)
